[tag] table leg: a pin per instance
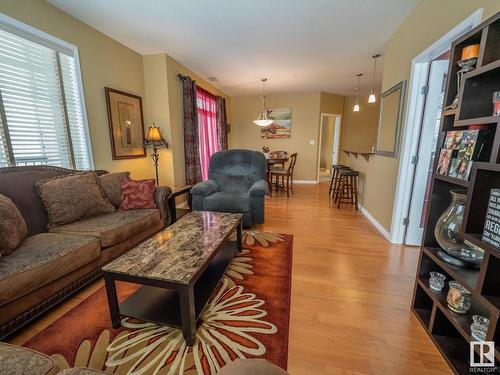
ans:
(239, 235)
(114, 307)
(188, 314)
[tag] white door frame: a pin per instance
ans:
(414, 113)
(336, 137)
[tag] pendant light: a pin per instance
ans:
(356, 106)
(372, 98)
(264, 118)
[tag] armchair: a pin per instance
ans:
(236, 183)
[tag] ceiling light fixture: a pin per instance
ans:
(356, 106)
(372, 98)
(264, 118)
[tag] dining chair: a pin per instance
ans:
(278, 155)
(285, 174)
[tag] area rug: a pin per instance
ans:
(247, 316)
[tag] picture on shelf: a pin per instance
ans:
(491, 231)
(468, 144)
(444, 161)
(460, 168)
(453, 139)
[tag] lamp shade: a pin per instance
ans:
(154, 134)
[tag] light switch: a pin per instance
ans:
(311, 142)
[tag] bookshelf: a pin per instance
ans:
(450, 332)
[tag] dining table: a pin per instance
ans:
(271, 162)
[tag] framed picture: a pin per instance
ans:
(444, 161)
(460, 168)
(280, 128)
(126, 124)
(453, 139)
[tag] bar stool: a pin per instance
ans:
(348, 189)
(336, 185)
(335, 176)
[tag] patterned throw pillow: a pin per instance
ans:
(72, 197)
(138, 194)
(12, 226)
(111, 185)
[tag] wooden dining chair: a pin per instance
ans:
(286, 176)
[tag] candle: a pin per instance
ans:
(470, 52)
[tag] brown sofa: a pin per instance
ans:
(49, 266)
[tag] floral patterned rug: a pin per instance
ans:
(247, 316)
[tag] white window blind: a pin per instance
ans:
(41, 112)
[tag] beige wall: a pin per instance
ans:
(306, 109)
(429, 21)
(104, 62)
(359, 129)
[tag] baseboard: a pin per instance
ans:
(376, 224)
(305, 181)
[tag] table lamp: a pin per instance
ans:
(156, 141)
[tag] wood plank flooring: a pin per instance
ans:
(351, 293)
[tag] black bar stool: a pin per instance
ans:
(336, 185)
(348, 188)
(335, 176)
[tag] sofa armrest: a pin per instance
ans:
(205, 188)
(258, 189)
(162, 195)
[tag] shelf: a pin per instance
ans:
(483, 69)
(449, 112)
(467, 277)
(364, 154)
(477, 121)
(452, 180)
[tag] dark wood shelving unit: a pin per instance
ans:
(450, 332)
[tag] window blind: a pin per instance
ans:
(41, 106)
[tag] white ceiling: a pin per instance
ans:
(299, 45)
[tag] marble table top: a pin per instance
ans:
(178, 252)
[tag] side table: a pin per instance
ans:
(177, 191)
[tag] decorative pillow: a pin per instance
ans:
(13, 228)
(72, 197)
(138, 194)
(111, 185)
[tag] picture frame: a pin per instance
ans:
(126, 124)
(390, 120)
(281, 126)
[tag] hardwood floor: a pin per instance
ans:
(351, 293)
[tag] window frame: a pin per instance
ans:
(35, 35)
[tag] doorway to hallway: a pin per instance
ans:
(328, 145)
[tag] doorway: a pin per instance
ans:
(329, 142)
(418, 133)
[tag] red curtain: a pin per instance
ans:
(207, 125)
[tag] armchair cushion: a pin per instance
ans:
(227, 202)
(258, 189)
(205, 188)
(18, 360)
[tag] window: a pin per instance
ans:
(41, 113)
(207, 125)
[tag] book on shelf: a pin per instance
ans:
(491, 231)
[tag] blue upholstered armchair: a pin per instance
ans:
(236, 183)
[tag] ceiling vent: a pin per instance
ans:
(212, 79)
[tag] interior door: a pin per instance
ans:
(426, 149)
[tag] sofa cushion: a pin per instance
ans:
(12, 226)
(138, 194)
(114, 227)
(17, 360)
(227, 202)
(41, 259)
(70, 198)
(111, 185)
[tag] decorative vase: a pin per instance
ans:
(448, 235)
(459, 299)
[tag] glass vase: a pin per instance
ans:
(449, 236)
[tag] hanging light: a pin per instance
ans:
(372, 98)
(356, 106)
(264, 118)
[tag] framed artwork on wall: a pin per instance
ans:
(280, 128)
(126, 124)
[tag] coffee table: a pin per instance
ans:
(178, 269)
